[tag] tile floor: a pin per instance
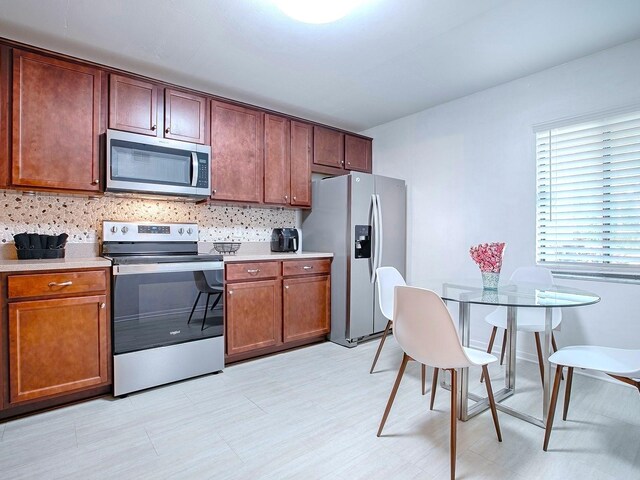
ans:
(313, 414)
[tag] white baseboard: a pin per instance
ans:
(533, 358)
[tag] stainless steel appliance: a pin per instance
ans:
(284, 240)
(162, 330)
(361, 218)
(143, 164)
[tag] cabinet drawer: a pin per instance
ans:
(56, 284)
(252, 271)
(306, 267)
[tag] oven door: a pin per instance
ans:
(166, 304)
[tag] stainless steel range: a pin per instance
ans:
(163, 328)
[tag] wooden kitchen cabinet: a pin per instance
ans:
(4, 116)
(55, 338)
(301, 160)
(133, 105)
(253, 315)
(57, 346)
(357, 153)
(328, 147)
(237, 153)
(185, 116)
(306, 307)
(57, 120)
(277, 160)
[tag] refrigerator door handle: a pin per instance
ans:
(374, 210)
(380, 237)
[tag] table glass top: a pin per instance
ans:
(512, 294)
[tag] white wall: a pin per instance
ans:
(470, 169)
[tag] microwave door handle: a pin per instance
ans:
(194, 169)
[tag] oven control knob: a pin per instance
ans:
(114, 229)
(189, 231)
(124, 229)
(181, 230)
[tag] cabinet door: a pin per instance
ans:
(253, 315)
(357, 153)
(306, 307)
(301, 158)
(236, 149)
(4, 118)
(56, 123)
(328, 147)
(277, 160)
(184, 116)
(57, 346)
(133, 105)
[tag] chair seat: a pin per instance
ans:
(529, 319)
(617, 361)
(478, 357)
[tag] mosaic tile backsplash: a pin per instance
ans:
(82, 218)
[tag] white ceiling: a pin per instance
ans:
(387, 59)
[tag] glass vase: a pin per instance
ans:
(490, 280)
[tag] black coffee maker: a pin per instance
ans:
(284, 240)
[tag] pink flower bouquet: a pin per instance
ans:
(488, 256)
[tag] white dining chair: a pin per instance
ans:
(529, 319)
(425, 331)
(621, 364)
(387, 278)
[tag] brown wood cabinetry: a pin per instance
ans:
(277, 160)
(4, 116)
(185, 116)
(56, 118)
(328, 147)
(57, 346)
(237, 153)
(133, 105)
(357, 153)
(301, 159)
(55, 338)
(272, 306)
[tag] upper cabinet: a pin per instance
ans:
(134, 107)
(277, 160)
(4, 116)
(301, 159)
(328, 147)
(56, 120)
(357, 153)
(236, 153)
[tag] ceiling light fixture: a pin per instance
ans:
(317, 11)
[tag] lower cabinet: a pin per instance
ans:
(272, 306)
(56, 335)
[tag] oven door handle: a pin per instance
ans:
(194, 169)
(145, 268)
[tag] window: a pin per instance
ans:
(588, 194)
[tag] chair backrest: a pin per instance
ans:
(387, 279)
(540, 275)
(424, 329)
(208, 283)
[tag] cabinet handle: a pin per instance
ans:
(153, 128)
(230, 292)
(102, 305)
(96, 182)
(342, 163)
(167, 130)
(286, 287)
(294, 198)
(286, 197)
(253, 271)
(63, 284)
(307, 267)
(213, 192)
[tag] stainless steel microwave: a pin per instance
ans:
(150, 165)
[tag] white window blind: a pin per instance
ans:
(588, 184)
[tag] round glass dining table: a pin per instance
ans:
(512, 296)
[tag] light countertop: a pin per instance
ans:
(52, 264)
(259, 257)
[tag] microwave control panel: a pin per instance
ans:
(203, 172)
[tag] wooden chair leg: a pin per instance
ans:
(492, 402)
(552, 407)
(567, 392)
(494, 330)
(424, 378)
(504, 347)
(384, 337)
(403, 366)
(540, 360)
(454, 421)
(555, 348)
(434, 386)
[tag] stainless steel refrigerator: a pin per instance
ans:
(361, 218)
